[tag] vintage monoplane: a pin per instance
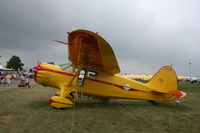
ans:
(93, 71)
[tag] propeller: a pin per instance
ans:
(60, 42)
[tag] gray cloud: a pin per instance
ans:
(144, 34)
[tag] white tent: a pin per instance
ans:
(1, 67)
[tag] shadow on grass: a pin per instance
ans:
(134, 105)
(44, 105)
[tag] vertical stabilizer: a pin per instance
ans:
(165, 80)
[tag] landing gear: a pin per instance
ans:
(60, 102)
(152, 102)
(104, 100)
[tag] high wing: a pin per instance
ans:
(90, 51)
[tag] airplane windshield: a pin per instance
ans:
(66, 67)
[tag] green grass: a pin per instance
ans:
(27, 111)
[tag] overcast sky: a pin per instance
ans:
(144, 34)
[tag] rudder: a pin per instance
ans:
(165, 80)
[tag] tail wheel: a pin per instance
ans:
(178, 102)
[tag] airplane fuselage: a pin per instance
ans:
(102, 85)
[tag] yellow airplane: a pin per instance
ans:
(93, 71)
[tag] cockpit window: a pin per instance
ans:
(92, 74)
(66, 67)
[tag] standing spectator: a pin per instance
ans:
(8, 79)
(3, 81)
(22, 81)
(0, 77)
(14, 75)
(27, 82)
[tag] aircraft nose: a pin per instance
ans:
(41, 74)
(36, 71)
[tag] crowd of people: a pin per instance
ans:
(6, 79)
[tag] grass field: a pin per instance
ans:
(27, 111)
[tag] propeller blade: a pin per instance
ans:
(61, 42)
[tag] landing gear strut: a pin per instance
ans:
(153, 102)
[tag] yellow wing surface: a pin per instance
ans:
(89, 50)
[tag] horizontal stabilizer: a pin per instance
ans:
(179, 94)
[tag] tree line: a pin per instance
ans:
(15, 63)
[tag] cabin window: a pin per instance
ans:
(67, 67)
(92, 74)
(76, 69)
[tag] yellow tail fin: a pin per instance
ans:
(165, 80)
